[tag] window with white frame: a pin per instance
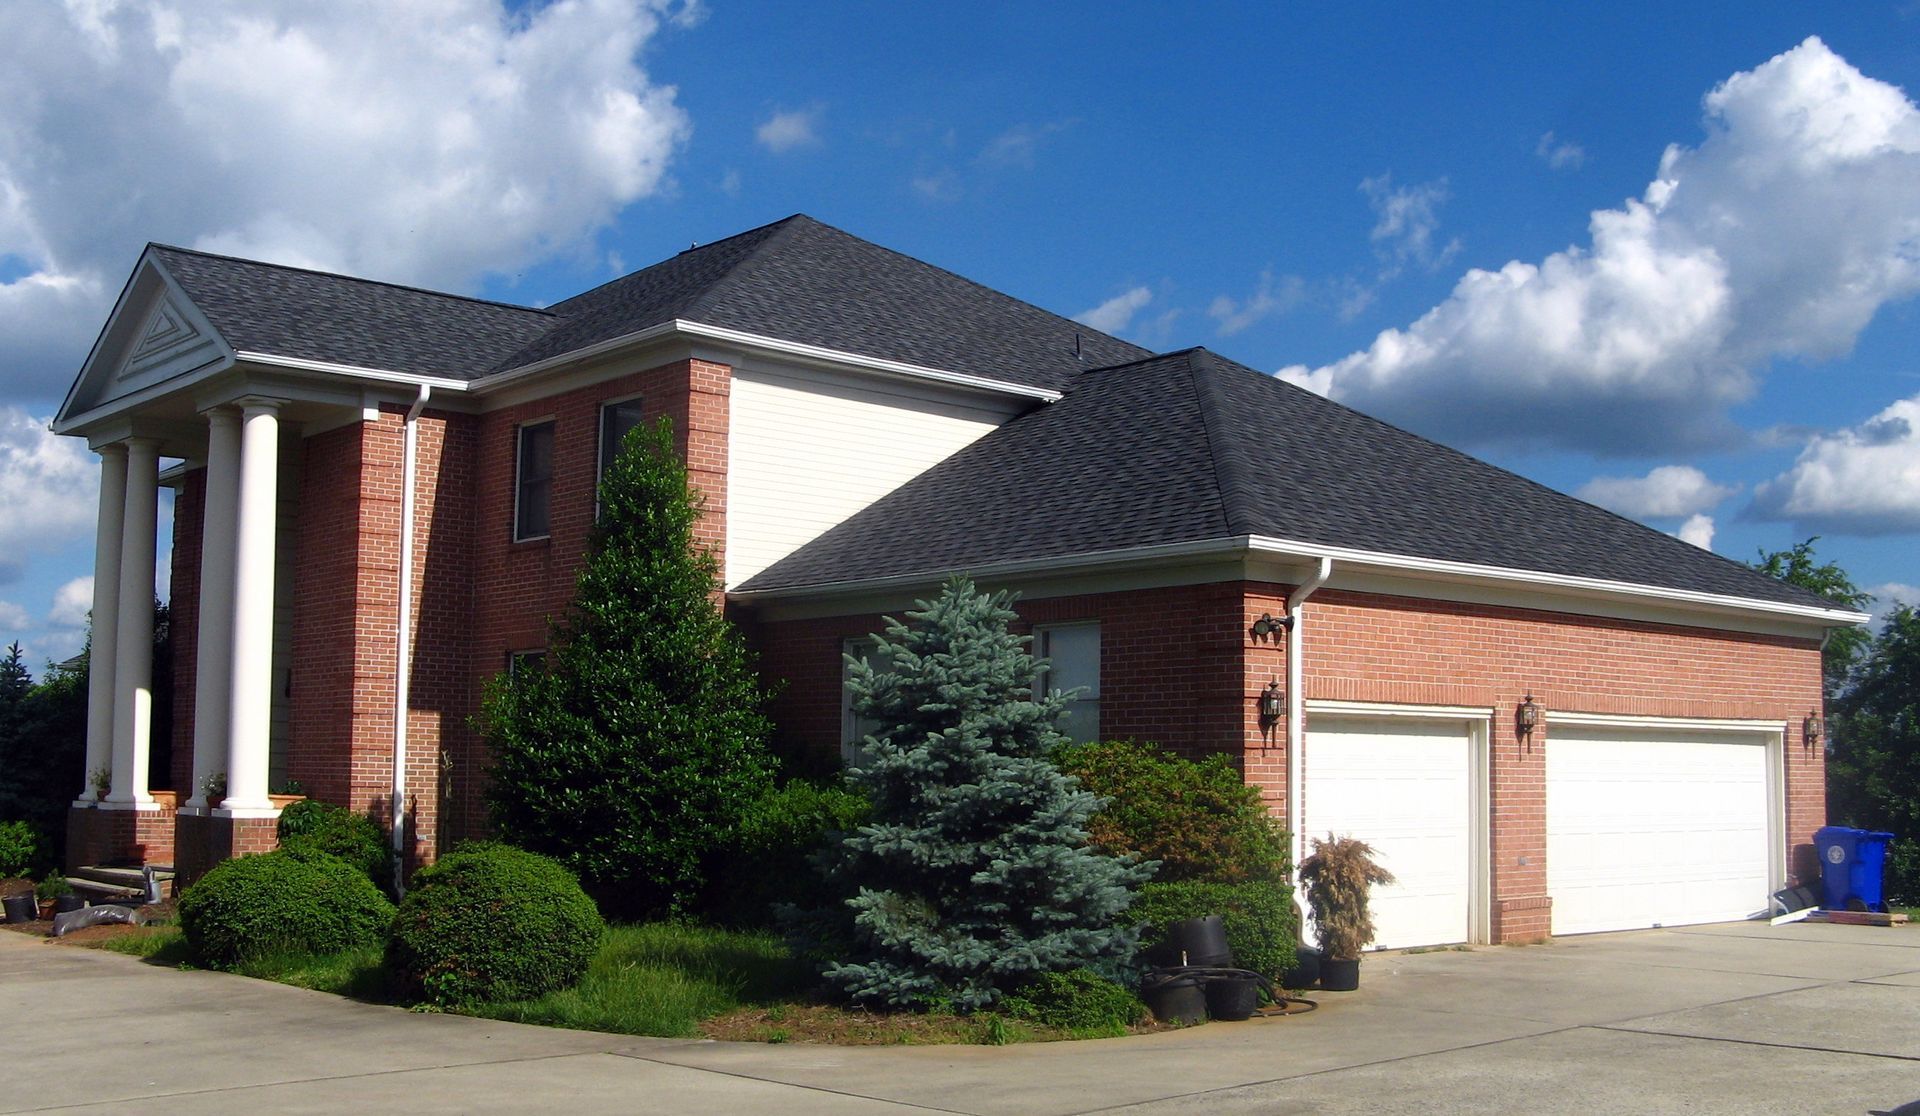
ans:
(853, 728)
(616, 419)
(524, 662)
(1072, 654)
(533, 482)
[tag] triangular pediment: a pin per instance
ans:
(155, 334)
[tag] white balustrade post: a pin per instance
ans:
(250, 704)
(133, 650)
(213, 656)
(106, 616)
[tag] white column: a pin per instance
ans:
(106, 616)
(133, 650)
(213, 657)
(250, 705)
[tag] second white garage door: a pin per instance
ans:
(1408, 788)
(1656, 826)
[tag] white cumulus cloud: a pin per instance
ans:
(1780, 235)
(431, 143)
(1863, 480)
(1114, 314)
(1560, 154)
(1666, 491)
(1273, 296)
(52, 487)
(1698, 530)
(789, 129)
(1406, 218)
(71, 603)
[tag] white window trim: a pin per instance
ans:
(600, 444)
(1040, 678)
(1479, 726)
(519, 443)
(850, 734)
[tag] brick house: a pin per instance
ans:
(1549, 718)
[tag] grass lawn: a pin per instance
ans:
(666, 979)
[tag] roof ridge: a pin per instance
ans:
(1227, 474)
(755, 256)
(203, 254)
(579, 295)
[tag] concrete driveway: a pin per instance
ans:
(1730, 1018)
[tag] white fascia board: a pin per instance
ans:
(1332, 707)
(759, 343)
(1440, 569)
(382, 375)
(1000, 571)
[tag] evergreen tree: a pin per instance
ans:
(974, 871)
(1845, 646)
(637, 749)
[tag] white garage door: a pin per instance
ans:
(1406, 787)
(1656, 827)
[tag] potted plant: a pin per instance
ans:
(101, 780)
(285, 793)
(55, 889)
(213, 788)
(1338, 877)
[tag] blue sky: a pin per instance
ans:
(1731, 355)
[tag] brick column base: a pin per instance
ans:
(205, 840)
(1526, 919)
(119, 837)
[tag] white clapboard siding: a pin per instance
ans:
(808, 449)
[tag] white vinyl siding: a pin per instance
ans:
(1656, 827)
(1072, 652)
(807, 449)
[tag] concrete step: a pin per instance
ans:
(119, 883)
(94, 890)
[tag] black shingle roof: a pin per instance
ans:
(796, 279)
(1189, 446)
(312, 315)
(800, 280)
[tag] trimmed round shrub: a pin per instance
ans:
(19, 849)
(1078, 1000)
(1260, 920)
(1198, 818)
(338, 832)
(489, 922)
(283, 901)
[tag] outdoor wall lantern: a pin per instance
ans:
(1272, 704)
(1813, 729)
(1527, 716)
(1267, 625)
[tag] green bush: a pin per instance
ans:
(1198, 818)
(1078, 1000)
(341, 833)
(19, 849)
(52, 887)
(768, 864)
(292, 900)
(1260, 919)
(488, 922)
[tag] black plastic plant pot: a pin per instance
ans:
(1306, 969)
(69, 902)
(22, 908)
(1233, 998)
(1175, 999)
(1338, 975)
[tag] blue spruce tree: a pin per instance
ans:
(973, 872)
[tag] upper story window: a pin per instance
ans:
(1072, 652)
(616, 419)
(533, 482)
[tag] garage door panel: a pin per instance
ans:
(1649, 829)
(1404, 787)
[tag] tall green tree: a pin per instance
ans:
(1873, 778)
(43, 745)
(973, 871)
(1798, 565)
(637, 749)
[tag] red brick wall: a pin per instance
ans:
(1180, 666)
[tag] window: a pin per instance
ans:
(533, 482)
(616, 419)
(1072, 652)
(854, 729)
(523, 662)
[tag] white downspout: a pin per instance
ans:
(1296, 714)
(403, 640)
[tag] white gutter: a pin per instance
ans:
(680, 327)
(301, 364)
(1297, 713)
(403, 640)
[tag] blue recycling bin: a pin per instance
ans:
(1852, 862)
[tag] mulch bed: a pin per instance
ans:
(839, 1026)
